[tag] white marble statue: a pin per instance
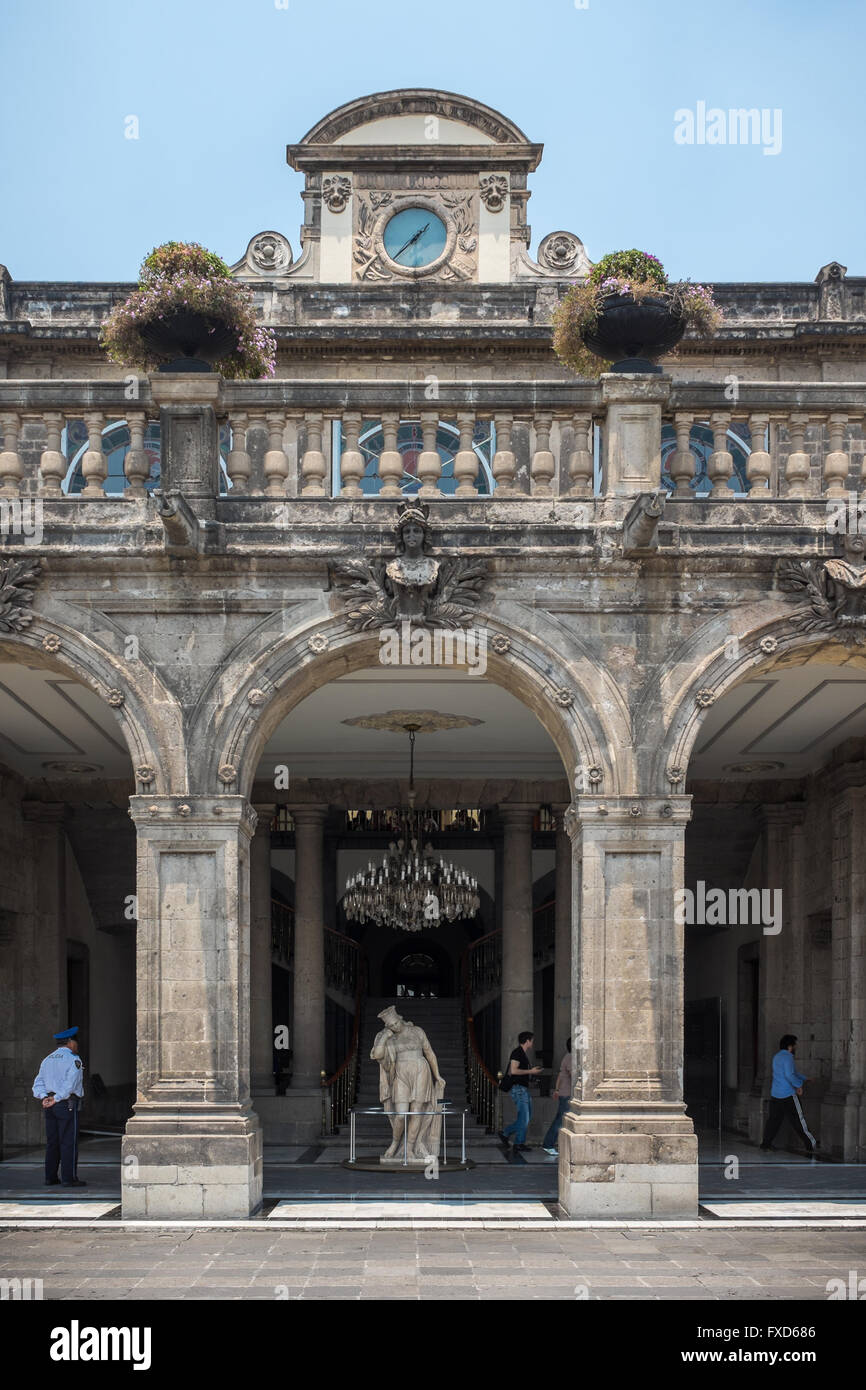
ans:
(409, 1082)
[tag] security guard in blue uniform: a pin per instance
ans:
(60, 1087)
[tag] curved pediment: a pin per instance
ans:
(389, 118)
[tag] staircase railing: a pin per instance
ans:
(346, 970)
(478, 965)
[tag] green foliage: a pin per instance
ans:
(629, 265)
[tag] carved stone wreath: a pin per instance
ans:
(494, 191)
(563, 252)
(17, 578)
(270, 253)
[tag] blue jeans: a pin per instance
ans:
(520, 1096)
(552, 1134)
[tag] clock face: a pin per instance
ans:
(415, 237)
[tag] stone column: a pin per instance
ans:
(193, 1146)
(517, 984)
(562, 940)
(632, 432)
(261, 1005)
(843, 1113)
(308, 1012)
(627, 1148)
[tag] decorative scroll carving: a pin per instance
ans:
(269, 253)
(564, 253)
(413, 586)
(17, 578)
(834, 592)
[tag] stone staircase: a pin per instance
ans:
(442, 1021)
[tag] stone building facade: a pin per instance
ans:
(672, 705)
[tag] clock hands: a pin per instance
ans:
(411, 241)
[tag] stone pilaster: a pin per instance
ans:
(632, 448)
(517, 982)
(193, 1146)
(562, 938)
(627, 1147)
(261, 1005)
(843, 1113)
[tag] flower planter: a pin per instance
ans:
(634, 333)
(192, 341)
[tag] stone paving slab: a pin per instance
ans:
(442, 1210)
(63, 1208)
(559, 1263)
(744, 1210)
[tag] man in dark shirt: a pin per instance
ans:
(521, 1068)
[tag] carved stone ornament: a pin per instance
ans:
(268, 253)
(834, 594)
(145, 774)
(570, 822)
(51, 642)
(675, 775)
(564, 697)
(115, 698)
(256, 697)
(184, 810)
(412, 587)
(501, 644)
(705, 698)
(17, 578)
(595, 775)
(494, 191)
(336, 192)
(635, 810)
(564, 252)
(228, 773)
(318, 642)
(769, 644)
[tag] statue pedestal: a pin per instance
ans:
(417, 1166)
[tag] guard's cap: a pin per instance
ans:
(67, 1033)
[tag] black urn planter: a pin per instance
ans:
(634, 333)
(191, 340)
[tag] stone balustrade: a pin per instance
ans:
(616, 437)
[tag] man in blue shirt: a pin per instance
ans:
(60, 1086)
(787, 1085)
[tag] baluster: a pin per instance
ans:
(797, 468)
(721, 463)
(504, 462)
(238, 463)
(580, 469)
(94, 467)
(313, 462)
(760, 466)
(466, 459)
(429, 462)
(390, 459)
(52, 464)
(351, 459)
(837, 464)
(543, 465)
(276, 463)
(682, 464)
(135, 464)
(11, 471)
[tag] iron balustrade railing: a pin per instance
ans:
(735, 439)
(483, 1093)
(282, 930)
(347, 963)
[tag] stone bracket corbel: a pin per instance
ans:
(640, 529)
(186, 533)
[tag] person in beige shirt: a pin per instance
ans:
(562, 1091)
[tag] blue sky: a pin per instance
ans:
(220, 87)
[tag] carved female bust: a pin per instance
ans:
(411, 577)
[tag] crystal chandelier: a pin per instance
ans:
(412, 889)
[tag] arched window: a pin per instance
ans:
(115, 443)
(701, 444)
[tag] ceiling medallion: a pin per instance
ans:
(424, 721)
(412, 889)
(72, 769)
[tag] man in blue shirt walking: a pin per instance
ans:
(60, 1086)
(786, 1087)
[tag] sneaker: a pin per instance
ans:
(503, 1138)
(554, 1153)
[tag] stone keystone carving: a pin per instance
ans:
(17, 578)
(413, 586)
(834, 592)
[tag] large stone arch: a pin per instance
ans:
(576, 702)
(147, 714)
(713, 662)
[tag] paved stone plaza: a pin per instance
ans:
(612, 1263)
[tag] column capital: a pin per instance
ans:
(309, 813)
(639, 813)
(183, 812)
(517, 815)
